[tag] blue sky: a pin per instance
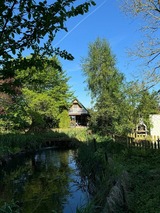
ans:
(107, 21)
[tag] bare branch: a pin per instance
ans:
(153, 58)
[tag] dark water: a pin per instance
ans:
(45, 182)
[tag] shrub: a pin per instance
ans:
(64, 119)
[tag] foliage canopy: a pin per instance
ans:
(44, 94)
(118, 105)
(34, 24)
(104, 82)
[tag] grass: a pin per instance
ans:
(78, 133)
(143, 166)
(104, 166)
(15, 142)
(101, 165)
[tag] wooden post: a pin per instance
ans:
(158, 143)
(152, 145)
(155, 145)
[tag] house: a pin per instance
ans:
(78, 113)
(155, 122)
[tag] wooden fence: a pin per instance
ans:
(143, 143)
(153, 143)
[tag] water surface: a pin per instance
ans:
(45, 182)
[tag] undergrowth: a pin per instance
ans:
(103, 166)
(15, 142)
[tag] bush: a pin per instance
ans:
(64, 120)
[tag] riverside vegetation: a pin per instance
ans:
(17, 144)
(13, 143)
(118, 179)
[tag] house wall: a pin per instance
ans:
(78, 113)
(155, 129)
(76, 109)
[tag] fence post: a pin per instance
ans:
(155, 145)
(158, 141)
(151, 145)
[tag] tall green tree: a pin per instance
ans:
(44, 95)
(118, 105)
(105, 84)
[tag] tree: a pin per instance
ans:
(32, 25)
(141, 103)
(118, 105)
(24, 24)
(148, 49)
(44, 95)
(148, 104)
(105, 84)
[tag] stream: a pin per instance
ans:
(47, 181)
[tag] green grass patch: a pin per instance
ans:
(15, 142)
(104, 165)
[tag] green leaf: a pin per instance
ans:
(93, 3)
(29, 15)
(18, 31)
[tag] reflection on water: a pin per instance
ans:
(43, 183)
